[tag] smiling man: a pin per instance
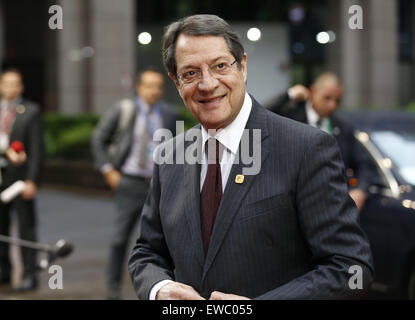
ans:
(207, 231)
(214, 103)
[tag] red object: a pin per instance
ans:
(17, 146)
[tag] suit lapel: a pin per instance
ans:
(235, 193)
(192, 201)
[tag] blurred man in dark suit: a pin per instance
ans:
(212, 228)
(317, 106)
(20, 120)
(123, 149)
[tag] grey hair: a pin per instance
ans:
(199, 25)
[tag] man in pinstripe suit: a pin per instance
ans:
(288, 232)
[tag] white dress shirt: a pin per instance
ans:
(131, 163)
(313, 118)
(230, 138)
(149, 114)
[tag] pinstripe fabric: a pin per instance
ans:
(290, 232)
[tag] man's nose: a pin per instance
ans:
(208, 82)
(333, 104)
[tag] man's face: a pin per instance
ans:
(214, 102)
(11, 86)
(326, 98)
(150, 88)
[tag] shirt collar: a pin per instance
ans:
(231, 135)
(11, 104)
(312, 115)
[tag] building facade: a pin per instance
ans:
(92, 60)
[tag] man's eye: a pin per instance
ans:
(221, 66)
(189, 74)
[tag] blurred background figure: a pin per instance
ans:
(317, 106)
(123, 150)
(20, 121)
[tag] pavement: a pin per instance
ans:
(85, 220)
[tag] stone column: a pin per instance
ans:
(70, 63)
(1, 34)
(366, 60)
(412, 95)
(384, 56)
(96, 54)
(114, 40)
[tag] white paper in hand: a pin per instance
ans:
(12, 192)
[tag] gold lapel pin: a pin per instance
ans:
(239, 179)
(20, 109)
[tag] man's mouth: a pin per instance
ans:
(212, 100)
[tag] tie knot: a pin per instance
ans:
(213, 149)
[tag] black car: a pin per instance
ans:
(388, 216)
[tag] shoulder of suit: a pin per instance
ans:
(342, 122)
(287, 128)
(290, 136)
(125, 101)
(167, 149)
(30, 106)
(179, 142)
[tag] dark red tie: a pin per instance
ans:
(211, 194)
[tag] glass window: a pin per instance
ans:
(400, 148)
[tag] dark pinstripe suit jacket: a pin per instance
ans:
(290, 232)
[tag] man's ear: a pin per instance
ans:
(243, 66)
(176, 82)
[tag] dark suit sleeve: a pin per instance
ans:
(355, 157)
(329, 223)
(103, 135)
(280, 104)
(150, 261)
(35, 147)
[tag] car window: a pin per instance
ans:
(400, 148)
